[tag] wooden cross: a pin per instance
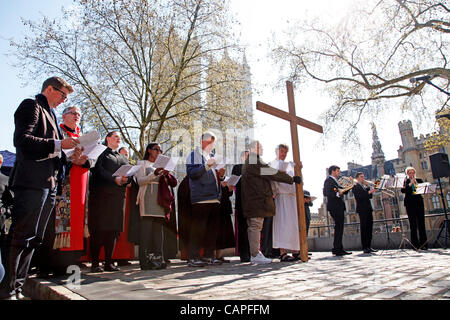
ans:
(294, 121)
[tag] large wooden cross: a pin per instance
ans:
(294, 121)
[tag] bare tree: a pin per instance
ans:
(138, 66)
(366, 61)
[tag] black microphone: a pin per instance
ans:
(423, 78)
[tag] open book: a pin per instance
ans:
(233, 180)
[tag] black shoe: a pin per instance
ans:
(223, 260)
(195, 263)
(123, 263)
(111, 267)
(96, 269)
(157, 263)
(373, 250)
(208, 261)
(341, 253)
(217, 262)
(43, 275)
(368, 251)
(287, 258)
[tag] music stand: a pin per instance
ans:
(445, 225)
(384, 182)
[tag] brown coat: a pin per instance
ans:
(256, 191)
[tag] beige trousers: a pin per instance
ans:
(254, 229)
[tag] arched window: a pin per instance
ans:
(435, 200)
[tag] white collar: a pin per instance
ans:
(333, 178)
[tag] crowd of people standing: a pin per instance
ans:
(65, 207)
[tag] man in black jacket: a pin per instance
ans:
(415, 210)
(241, 221)
(336, 207)
(33, 179)
(364, 209)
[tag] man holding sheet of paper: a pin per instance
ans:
(107, 202)
(205, 192)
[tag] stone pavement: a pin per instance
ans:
(386, 275)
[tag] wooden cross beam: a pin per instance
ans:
(294, 121)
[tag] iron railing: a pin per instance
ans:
(379, 226)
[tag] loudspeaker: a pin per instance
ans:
(439, 165)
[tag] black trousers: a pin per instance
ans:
(338, 217)
(242, 236)
(106, 239)
(151, 237)
(30, 214)
(366, 225)
(201, 235)
(416, 217)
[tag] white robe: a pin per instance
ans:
(285, 222)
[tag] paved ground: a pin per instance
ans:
(392, 274)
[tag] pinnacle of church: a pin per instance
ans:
(377, 153)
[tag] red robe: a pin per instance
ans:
(73, 240)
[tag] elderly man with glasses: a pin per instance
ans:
(64, 238)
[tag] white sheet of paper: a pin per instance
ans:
(168, 163)
(92, 148)
(399, 180)
(385, 182)
(425, 188)
(89, 138)
(94, 151)
(220, 162)
(127, 170)
(233, 180)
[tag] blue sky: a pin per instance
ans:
(11, 89)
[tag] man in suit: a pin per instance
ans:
(364, 209)
(39, 163)
(336, 207)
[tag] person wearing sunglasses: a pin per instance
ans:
(156, 208)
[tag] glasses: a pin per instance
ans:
(63, 94)
(74, 113)
(156, 149)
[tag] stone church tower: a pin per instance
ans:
(378, 158)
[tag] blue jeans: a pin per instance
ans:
(2, 270)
